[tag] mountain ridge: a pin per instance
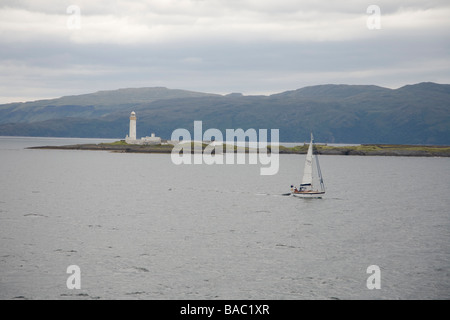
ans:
(412, 114)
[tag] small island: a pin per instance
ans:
(360, 150)
(155, 144)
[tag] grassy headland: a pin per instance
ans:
(361, 150)
(374, 150)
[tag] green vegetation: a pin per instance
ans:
(363, 150)
(374, 149)
(296, 149)
(116, 143)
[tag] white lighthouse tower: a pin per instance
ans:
(132, 139)
(133, 126)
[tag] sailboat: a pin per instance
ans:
(310, 188)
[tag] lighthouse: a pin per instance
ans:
(132, 135)
(132, 139)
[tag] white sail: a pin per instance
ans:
(307, 172)
(307, 190)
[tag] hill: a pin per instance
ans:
(88, 106)
(413, 114)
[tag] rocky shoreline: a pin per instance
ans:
(113, 148)
(362, 150)
(377, 150)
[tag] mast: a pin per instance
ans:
(307, 171)
(322, 185)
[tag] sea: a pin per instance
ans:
(138, 226)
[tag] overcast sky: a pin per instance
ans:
(218, 46)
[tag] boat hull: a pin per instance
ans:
(310, 194)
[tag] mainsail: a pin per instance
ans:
(308, 187)
(307, 172)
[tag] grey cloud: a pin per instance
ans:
(245, 60)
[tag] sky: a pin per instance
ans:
(50, 49)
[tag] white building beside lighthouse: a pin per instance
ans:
(132, 137)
